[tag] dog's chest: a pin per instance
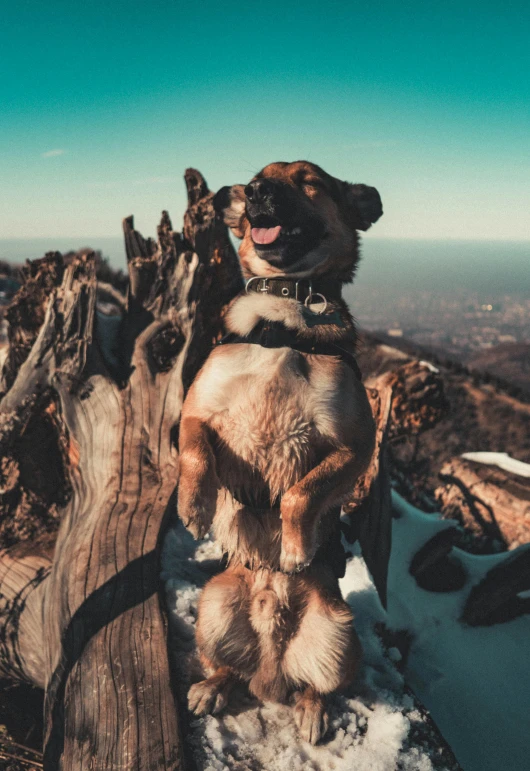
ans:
(269, 406)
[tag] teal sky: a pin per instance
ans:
(103, 105)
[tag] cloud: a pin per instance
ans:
(52, 153)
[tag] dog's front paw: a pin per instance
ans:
(197, 523)
(197, 529)
(195, 517)
(295, 556)
(298, 532)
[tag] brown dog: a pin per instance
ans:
(274, 433)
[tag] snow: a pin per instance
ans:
(371, 726)
(429, 366)
(500, 459)
(474, 680)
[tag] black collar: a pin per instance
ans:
(300, 289)
(273, 334)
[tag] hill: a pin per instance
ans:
(509, 361)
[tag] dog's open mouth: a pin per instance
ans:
(268, 232)
(265, 236)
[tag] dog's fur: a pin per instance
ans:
(292, 428)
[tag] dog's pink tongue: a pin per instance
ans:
(265, 235)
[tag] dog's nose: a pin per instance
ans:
(258, 190)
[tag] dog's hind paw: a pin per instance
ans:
(206, 698)
(311, 717)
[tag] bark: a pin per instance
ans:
(88, 625)
(495, 505)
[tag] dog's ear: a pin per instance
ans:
(363, 204)
(229, 204)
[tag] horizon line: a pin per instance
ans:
(374, 237)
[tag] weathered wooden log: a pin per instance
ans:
(488, 500)
(103, 642)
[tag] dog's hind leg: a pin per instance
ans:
(322, 657)
(227, 643)
(210, 696)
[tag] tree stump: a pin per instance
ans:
(87, 624)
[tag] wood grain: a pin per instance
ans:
(88, 625)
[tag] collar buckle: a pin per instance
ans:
(309, 286)
(263, 287)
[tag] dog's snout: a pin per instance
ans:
(258, 190)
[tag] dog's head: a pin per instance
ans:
(294, 218)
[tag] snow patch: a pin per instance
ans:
(429, 366)
(500, 459)
(474, 680)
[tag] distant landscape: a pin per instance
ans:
(488, 268)
(465, 300)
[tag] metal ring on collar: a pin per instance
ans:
(249, 282)
(309, 299)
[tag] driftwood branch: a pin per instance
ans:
(490, 501)
(494, 504)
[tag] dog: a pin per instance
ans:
(275, 431)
